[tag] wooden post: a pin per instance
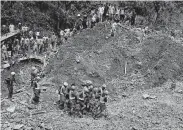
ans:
(125, 66)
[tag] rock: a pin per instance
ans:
(11, 109)
(179, 91)
(133, 128)
(6, 65)
(18, 126)
(147, 96)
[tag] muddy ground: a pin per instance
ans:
(90, 55)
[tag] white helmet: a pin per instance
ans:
(89, 82)
(12, 73)
(66, 84)
(38, 78)
(104, 86)
(78, 15)
(33, 68)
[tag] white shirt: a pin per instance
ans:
(4, 48)
(122, 11)
(118, 11)
(94, 18)
(61, 33)
(37, 33)
(114, 25)
(101, 10)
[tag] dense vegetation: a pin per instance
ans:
(60, 14)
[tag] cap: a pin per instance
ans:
(66, 84)
(12, 73)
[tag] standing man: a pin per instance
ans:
(133, 16)
(122, 14)
(61, 91)
(78, 24)
(62, 34)
(34, 72)
(84, 22)
(4, 52)
(53, 41)
(9, 81)
(36, 91)
(72, 98)
(106, 9)
(101, 12)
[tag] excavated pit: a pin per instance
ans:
(22, 70)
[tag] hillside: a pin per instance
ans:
(131, 70)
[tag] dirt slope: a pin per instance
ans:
(89, 55)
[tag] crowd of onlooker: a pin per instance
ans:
(29, 41)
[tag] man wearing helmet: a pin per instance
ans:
(102, 89)
(72, 98)
(61, 91)
(36, 91)
(9, 81)
(33, 74)
(102, 105)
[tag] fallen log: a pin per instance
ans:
(40, 112)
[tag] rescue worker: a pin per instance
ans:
(133, 16)
(11, 28)
(122, 14)
(19, 26)
(72, 98)
(4, 52)
(117, 13)
(61, 92)
(102, 89)
(89, 17)
(40, 45)
(81, 100)
(102, 106)
(101, 12)
(111, 11)
(94, 20)
(62, 33)
(35, 47)
(36, 91)
(53, 41)
(114, 26)
(106, 9)
(45, 43)
(34, 72)
(67, 34)
(78, 25)
(10, 81)
(27, 44)
(17, 46)
(84, 22)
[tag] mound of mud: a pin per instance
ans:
(90, 56)
(161, 58)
